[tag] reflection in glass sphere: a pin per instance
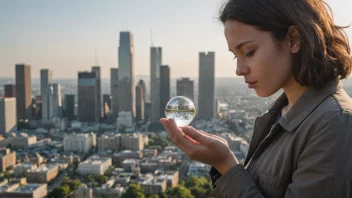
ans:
(181, 109)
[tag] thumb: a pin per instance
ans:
(198, 136)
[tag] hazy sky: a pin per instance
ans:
(63, 35)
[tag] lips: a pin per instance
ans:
(251, 84)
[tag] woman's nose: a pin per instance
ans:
(241, 69)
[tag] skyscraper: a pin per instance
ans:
(126, 95)
(140, 100)
(185, 88)
(206, 96)
(155, 63)
(55, 106)
(23, 91)
(10, 91)
(164, 88)
(106, 104)
(96, 70)
(70, 106)
(8, 118)
(87, 93)
(114, 90)
(45, 80)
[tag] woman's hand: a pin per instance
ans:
(201, 146)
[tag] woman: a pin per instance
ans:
(302, 146)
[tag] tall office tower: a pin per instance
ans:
(55, 103)
(155, 63)
(8, 118)
(70, 106)
(164, 88)
(114, 92)
(140, 100)
(96, 70)
(45, 80)
(10, 91)
(23, 91)
(184, 87)
(126, 95)
(206, 96)
(106, 104)
(87, 100)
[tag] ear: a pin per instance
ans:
(294, 39)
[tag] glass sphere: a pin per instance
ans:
(181, 109)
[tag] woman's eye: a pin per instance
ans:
(235, 57)
(249, 54)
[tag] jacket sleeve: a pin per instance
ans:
(323, 169)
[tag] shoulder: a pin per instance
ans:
(333, 114)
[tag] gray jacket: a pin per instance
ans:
(307, 153)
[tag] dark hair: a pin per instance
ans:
(325, 52)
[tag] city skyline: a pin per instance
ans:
(64, 36)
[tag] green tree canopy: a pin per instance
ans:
(134, 191)
(179, 191)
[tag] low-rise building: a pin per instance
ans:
(153, 186)
(23, 141)
(94, 165)
(109, 141)
(118, 158)
(23, 191)
(7, 159)
(42, 174)
(81, 143)
(20, 170)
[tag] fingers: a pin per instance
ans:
(177, 136)
(199, 136)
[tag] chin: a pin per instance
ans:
(264, 92)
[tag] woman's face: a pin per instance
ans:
(265, 65)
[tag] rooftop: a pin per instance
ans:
(27, 188)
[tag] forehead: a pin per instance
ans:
(237, 32)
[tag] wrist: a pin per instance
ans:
(226, 165)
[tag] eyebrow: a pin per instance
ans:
(242, 44)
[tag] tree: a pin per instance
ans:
(73, 184)
(162, 195)
(101, 179)
(154, 196)
(179, 191)
(134, 191)
(60, 192)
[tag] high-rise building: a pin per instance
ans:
(184, 87)
(10, 91)
(70, 106)
(87, 92)
(106, 104)
(125, 119)
(8, 118)
(206, 96)
(140, 100)
(155, 63)
(126, 95)
(45, 80)
(114, 90)
(164, 88)
(96, 70)
(23, 91)
(55, 103)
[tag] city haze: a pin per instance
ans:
(68, 36)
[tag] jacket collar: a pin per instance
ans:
(306, 104)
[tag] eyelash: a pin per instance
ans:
(249, 54)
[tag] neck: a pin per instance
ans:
(293, 91)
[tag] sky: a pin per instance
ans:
(66, 36)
